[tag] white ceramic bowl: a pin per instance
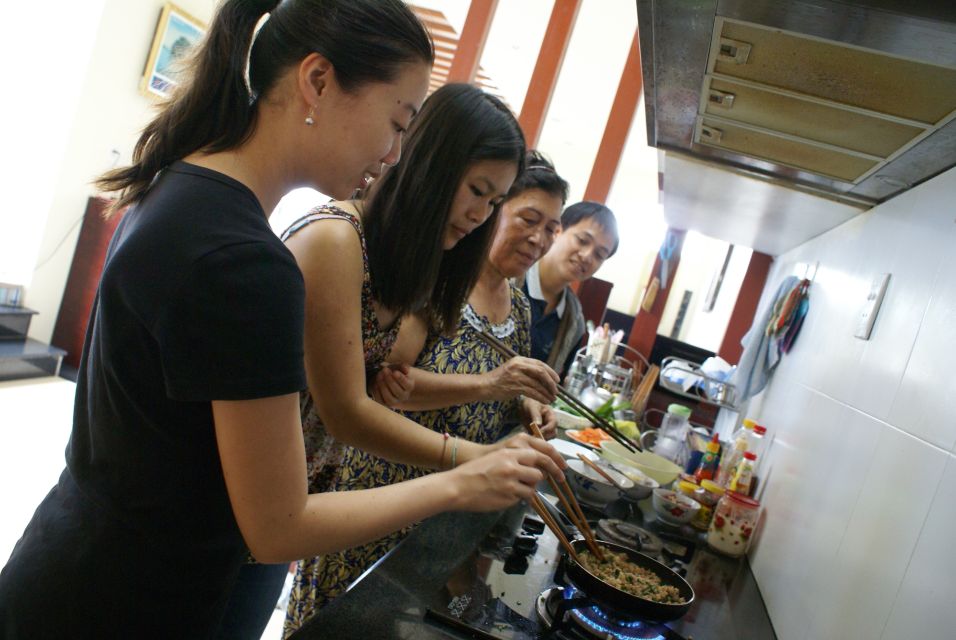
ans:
(643, 483)
(570, 450)
(588, 485)
(653, 465)
(673, 507)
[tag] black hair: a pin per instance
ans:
(587, 210)
(407, 209)
(539, 173)
(214, 110)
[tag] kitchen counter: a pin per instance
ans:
(466, 554)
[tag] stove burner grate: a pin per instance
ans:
(557, 605)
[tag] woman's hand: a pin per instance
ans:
(522, 376)
(541, 415)
(499, 479)
(553, 462)
(392, 385)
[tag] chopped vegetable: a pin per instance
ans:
(593, 437)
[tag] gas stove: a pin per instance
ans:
(514, 588)
(567, 613)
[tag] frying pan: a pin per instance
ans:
(615, 598)
(623, 601)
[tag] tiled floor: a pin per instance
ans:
(35, 420)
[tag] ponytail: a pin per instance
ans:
(214, 109)
(211, 110)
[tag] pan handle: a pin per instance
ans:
(569, 530)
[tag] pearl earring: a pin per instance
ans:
(309, 120)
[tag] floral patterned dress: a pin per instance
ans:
(320, 580)
(324, 454)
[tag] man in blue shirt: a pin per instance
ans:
(587, 238)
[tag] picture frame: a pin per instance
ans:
(11, 295)
(176, 34)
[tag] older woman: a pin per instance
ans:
(459, 386)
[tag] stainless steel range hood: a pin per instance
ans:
(855, 101)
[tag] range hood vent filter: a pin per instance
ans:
(821, 106)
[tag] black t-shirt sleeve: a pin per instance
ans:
(234, 329)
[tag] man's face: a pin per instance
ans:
(580, 250)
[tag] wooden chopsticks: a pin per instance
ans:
(586, 411)
(570, 504)
(603, 473)
(548, 520)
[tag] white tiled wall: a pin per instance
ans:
(860, 500)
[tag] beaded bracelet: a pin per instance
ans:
(444, 445)
(454, 453)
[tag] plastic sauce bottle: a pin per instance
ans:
(707, 468)
(744, 474)
(739, 442)
(756, 441)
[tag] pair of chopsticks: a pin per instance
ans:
(586, 411)
(603, 473)
(571, 508)
(542, 511)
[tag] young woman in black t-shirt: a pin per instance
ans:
(187, 446)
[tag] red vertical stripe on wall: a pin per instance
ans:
(745, 308)
(464, 65)
(618, 125)
(546, 69)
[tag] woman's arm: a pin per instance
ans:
(263, 460)
(329, 254)
(429, 390)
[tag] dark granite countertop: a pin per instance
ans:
(392, 598)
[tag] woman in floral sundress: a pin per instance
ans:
(463, 387)
(426, 226)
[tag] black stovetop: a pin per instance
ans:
(462, 575)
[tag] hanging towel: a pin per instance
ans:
(761, 347)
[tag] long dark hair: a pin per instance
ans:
(214, 110)
(407, 209)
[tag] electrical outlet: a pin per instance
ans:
(873, 301)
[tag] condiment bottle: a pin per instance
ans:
(756, 441)
(744, 474)
(577, 378)
(735, 518)
(708, 495)
(739, 442)
(707, 468)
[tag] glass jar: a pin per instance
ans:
(735, 517)
(708, 495)
(670, 437)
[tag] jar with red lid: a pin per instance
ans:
(732, 527)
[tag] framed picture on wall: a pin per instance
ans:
(176, 34)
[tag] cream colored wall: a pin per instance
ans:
(108, 114)
(860, 499)
(42, 87)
